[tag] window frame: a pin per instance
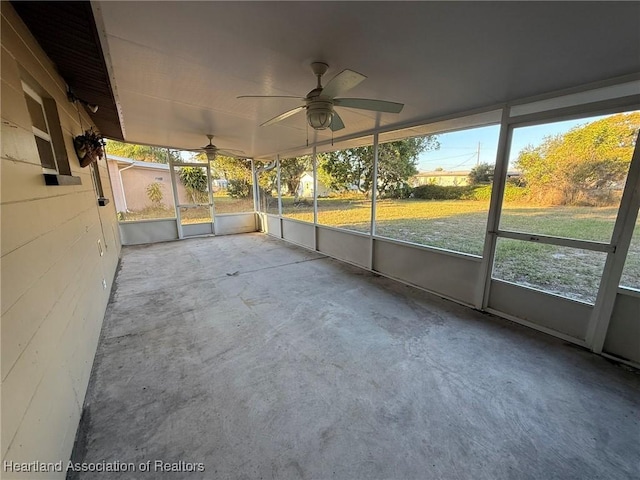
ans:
(61, 173)
(37, 132)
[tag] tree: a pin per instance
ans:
(143, 153)
(231, 168)
(481, 173)
(349, 168)
(397, 161)
(237, 172)
(291, 171)
(584, 165)
(194, 180)
(239, 188)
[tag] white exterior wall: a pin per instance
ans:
(116, 185)
(52, 295)
(445, 179)
(305, 190)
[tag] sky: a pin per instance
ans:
(459, 150)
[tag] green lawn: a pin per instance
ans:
(190, 215)
(460, 225)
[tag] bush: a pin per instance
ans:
(512, 193)
(438, 192)
(402, 190)
(515, 193)
(154, 192)
(239, 188)
(194, 180)
(482, 193)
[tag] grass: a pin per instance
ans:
(569, 272)
(460, 225)
(191, 215)
(226, 204)
(586, 223)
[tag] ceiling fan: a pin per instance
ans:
(211, 150)
(320, 101)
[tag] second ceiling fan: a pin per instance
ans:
(320, 101)
(211, 151)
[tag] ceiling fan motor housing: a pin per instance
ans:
(320, 114)
(210, 151)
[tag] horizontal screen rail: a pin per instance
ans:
(560, 241)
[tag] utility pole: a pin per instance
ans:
(478, 155)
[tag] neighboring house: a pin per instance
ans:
(305, 189)
(448, 179)
(219, 184)
(440, 177)
(131, 178)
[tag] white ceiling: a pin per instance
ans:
(179, 66)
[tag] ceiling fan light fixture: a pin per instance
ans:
(211, 154)
(319, 115)
(210, 150)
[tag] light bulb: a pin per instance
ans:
(319, 115)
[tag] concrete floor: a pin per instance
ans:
(263, 360)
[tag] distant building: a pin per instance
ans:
(130, 179)
(305, 189)
(440, 177)
(449, 179)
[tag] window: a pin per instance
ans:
(47, 132)
(570, 176)
(345, 186)
(40, 129)
(232, 185)
(141, 186)
(566, 195)
(296, 174)
(268, 187)
(194, 203)
(435, 187)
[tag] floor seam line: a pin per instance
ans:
(282, 265)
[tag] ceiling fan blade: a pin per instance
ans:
(233, 150)
(270, 96)
(369, 104)
(227, 153)
(341, 83)
(284, 115)
(336, 122)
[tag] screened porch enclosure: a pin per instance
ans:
(569, 268)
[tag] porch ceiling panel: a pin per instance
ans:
(179, 66)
